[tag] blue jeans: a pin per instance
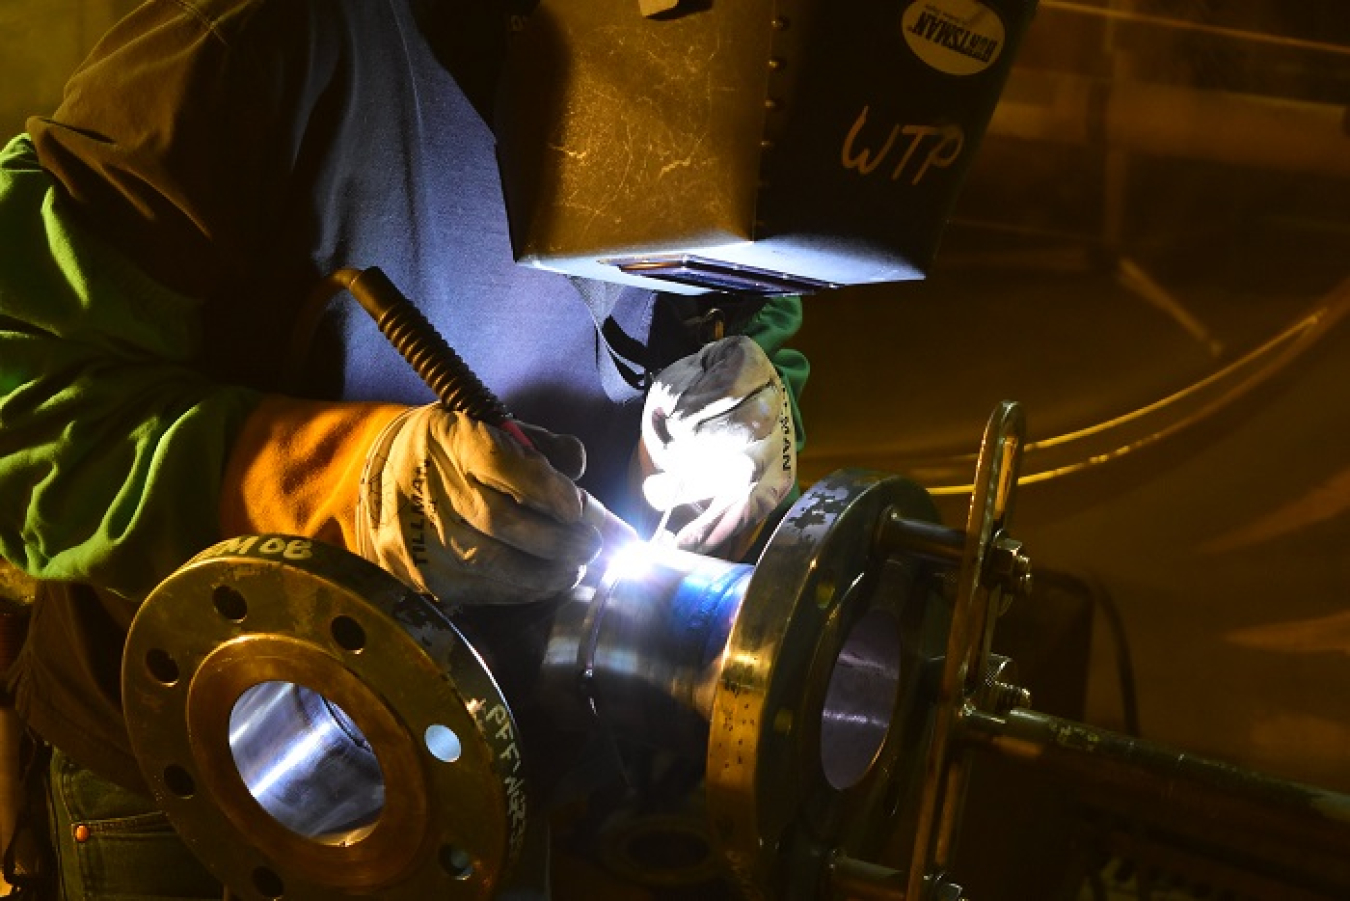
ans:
(115, 845)
(111, 844)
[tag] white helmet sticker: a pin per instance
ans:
(959, 37)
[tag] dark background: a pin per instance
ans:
(1151, 255)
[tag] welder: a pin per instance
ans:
(165, 380)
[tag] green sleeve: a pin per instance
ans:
(771, 328)
(111, 445)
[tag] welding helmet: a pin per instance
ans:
(761, 146)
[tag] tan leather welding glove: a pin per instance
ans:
(299, 467)
(719, 446)
(465, 512)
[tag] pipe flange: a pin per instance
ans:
(312, 728)
(819, 715)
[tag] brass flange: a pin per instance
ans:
(314, 729)
(864, 630)
(821, 712)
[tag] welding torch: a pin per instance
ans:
(433, 359)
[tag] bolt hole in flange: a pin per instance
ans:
(229, 603)
(348, 633)
(860, 699)
(443, 743)
(268, 883)
(456, 861)
(179, 781)
(161, 666)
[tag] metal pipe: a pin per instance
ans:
(1185, 784)
(641, 646)
(930, 541)
(858, 880)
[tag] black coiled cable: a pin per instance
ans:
(414, 337)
